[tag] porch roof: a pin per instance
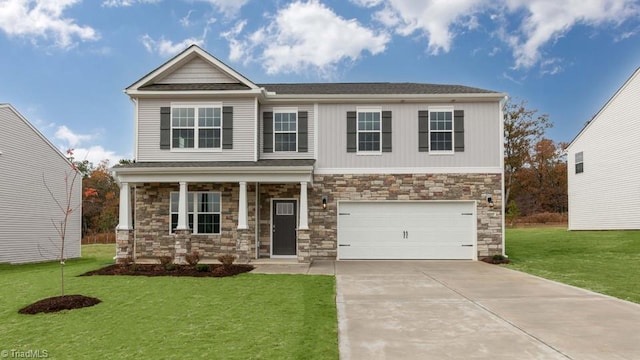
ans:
(267, 171)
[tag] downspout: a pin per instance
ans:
(504, 206)
(257, 220)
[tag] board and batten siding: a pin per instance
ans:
(244, 113)
(289, 155)
(27, 210)
(482, 138)
(197, 71)
(606, 196)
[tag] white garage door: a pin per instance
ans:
(406, 230)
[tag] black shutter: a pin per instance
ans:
(351, 132)
(458, 128)
(267, 132)
(303, 136)
(165, 128)
(386, 131)
(423, 130)
(227, 127)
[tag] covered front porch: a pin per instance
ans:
(249, 209)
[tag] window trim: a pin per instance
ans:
(450, 109)
(579, 163)
(358, 131)
(195, 212)
(284, 111)
(196, 127)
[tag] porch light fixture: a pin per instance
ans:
(490, 201)
(324, 202)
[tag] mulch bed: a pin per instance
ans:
(59, 303)
(216, 270)
(496, 260)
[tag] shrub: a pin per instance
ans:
(226, 259)
(192, 259)
(203, 267)
(165, 260)
(220, 271)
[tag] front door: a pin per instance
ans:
(283, 231)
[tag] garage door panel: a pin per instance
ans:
(406, 230)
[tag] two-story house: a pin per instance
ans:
(309, 171)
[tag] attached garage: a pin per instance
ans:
(407, 230)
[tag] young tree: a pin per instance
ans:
(522, 129)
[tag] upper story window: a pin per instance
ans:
(369, 130)
(579, 162)
(285, 131)
(203, 211)
(441, 130)
(196, 127)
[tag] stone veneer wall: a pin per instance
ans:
(152, 221)
(323, 222)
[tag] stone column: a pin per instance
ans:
(124, 246)
(243, 245)
(242, 207)
(303, 223)
(304, 245)
(183, 237)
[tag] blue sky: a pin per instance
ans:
(64, 63)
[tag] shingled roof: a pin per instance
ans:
(374, 88)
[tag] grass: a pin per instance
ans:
(249, 316)
(607, 262)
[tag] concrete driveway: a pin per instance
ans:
(473, 310)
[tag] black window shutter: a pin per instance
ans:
(227, 127)
(423, 131)
(303, 136)
(267, 132)
(458, 128)
(165, 127)
(351, 132)
(386, 131)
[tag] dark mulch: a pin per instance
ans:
(496, 260)
(59, 303)
(216, 270)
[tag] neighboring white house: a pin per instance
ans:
(28, 211)
(603, 171)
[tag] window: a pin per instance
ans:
(187, 133)
(441, 130)
(203, 209)
(285, 131)
(579, 163)
(369, 131)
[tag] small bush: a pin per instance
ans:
(192, 259)
(164, 260)
(136, 267)
(170, 267)
(219, 271)
(227, 259)
(126, 261)
(203, 267)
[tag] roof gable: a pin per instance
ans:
(627, 84)
(193, 65)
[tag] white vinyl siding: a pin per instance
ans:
(197, 71)
(606, 195)
(483, 139)
(27, 210)
(244, 113)
(288, 155)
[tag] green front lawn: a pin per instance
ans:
(607, 262)
(250, 316)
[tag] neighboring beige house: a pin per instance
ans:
(28, 211)
(309, 171)
(602, 162)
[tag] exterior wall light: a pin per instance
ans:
(324, 202)
(490, 201)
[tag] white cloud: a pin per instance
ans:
(228, 7)
(71, 138)
(538, 23)
(95, 154)
(126, 3)
(166, 47)
(185, 21)
(43, 19)
(306, 36)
